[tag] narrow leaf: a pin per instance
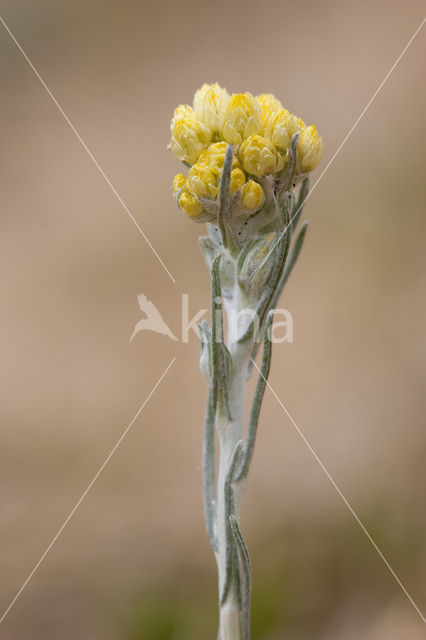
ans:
(209, 472)
(291, 167)
(297, 247)
(220, 359)
(257, 400)
(223, 210)
(303, 194)
(245, 572)
(231, 568)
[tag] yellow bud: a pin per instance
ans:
(189, 203)
(189, 136)
(294, 125)
(269, 103)
(276, 129)
(242, 118)
(252, 196)
(210, 103)
(214, 157)
(237, 180)
(203, 182)
(181, 111)
(179, 181)
(309, 149)
(259, 156)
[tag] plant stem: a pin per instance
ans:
(230, 432)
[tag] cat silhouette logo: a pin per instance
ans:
(153, 320)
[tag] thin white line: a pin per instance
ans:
(344, 141)
(342, 496)
(77, 504)
(92, 157)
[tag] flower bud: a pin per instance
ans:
(309, 149)
(237, 180)
(252, 196)
(214, 157)
(203, 181)
(189, 203)
(259, 157)
(294, 125)
(192, 207)
(179, 181)
(268, 103)
(276, 129)
(210, 103)
(242, 118)
(189, 136)
(182, 111)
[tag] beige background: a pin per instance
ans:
(133, 562)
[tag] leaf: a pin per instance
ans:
(257, 401)
(245, 573)
(223, 206)
(229, 510)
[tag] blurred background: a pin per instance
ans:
(134, 563)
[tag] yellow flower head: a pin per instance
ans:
(294, 125)
(242, 118)
(259, 157)
(214, 157)
(237, 180)
(193, 209)
(203, 181)
(182, 111)
(204, 177)
(281, 126)
(269, 103)
(189, 136)
(252, 196)
(209, 105)
(259, 131)
(276, 129)
(309, 149)
(179, 181)
(189, 203)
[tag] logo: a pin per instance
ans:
(153, 321)
(281, 330)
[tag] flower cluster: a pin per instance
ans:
(259, 130)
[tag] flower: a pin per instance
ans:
(204, 177)
(179, 181)
(309, 149)
(259, 157)
(189, 203)
(280, 127)
(182, 111)
(237, 180)
(269, 103)
(252, 196)
(259, 131)
(242, 118)
(276, 129)
(189, 136)
(294, 125)
(193, 208)
(203, 182)
(214, 157)
(209, 105)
